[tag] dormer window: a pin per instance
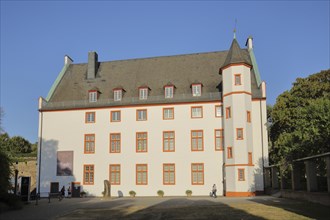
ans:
(117, 94)
(92, 95)
(196, 89)
(143, 93)
(169, 90)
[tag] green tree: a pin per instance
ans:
(1, 120)
(5, 163)
(20, 145)
(301, 119)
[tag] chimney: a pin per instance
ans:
(92, 65)
(67, 60)
(249, 42)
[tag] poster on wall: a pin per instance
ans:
(64, 163)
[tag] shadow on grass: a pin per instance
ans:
(178, 208)
(303, 208)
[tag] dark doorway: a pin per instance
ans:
(75, 186)
(54, 187)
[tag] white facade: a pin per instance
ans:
(236, 168)
(65, 130)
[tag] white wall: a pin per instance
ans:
(64, 130)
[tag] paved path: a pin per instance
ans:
(261, 207)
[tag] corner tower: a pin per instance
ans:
(237, 105)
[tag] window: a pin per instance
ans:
(141, 115)
(197, 174)
(218, 133)
(90, 117)
(141, 174)
(218, 111)
(92, 95)
(248, 116)
(114, 174)
(250, 158)
(238, 80)
(168, 113)
(89, 144)
(88, 174)
(239, 133)
(197, 140)
(169, 92)
(169, 174)
(117, 94)
(115, 116)
(196, 89)
(168, 141)
(197, 112)
(143, 93)
(229, 152)
(228, 112)
(241, 175)
(141, 142)
(115, 143)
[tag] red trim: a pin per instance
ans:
(169, 132)
(137, 142)
(239, 165)
(164, 114)
(89, 165)
(110, 180)
(115, 141)
(240, 79)
(237, 92)
(240, 194)
(195, 107)
(192, 139)
(130, 106)
(219, 137)
(168, 164)
(242, 136)
(136, 174)
(258, 99)
(196, 171)
(86, 117)
(235, 64)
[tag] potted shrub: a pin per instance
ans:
(83, 194)
(132, 193)
(160, 193)
(188, 192)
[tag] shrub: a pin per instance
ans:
(160, 193)
(132, 193)
(12, 202)
(83, 194)
(188, 192)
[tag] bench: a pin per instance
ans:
(55, 195)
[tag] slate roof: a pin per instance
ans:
(180, 70)
(236, 55)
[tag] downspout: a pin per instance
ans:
(262, 146)
(223, 158)
(40, 147)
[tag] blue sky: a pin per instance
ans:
(291, 39)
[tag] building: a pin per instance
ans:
(171, 123)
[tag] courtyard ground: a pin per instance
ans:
(261, 207)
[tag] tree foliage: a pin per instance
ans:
(301, 119)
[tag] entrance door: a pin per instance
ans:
(75, 186)
(54, 187)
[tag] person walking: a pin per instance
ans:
(62, 193)
(214, 191)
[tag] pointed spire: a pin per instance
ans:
(235, 55)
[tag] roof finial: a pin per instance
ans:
(235, 28)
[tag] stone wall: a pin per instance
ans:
(27, 168)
